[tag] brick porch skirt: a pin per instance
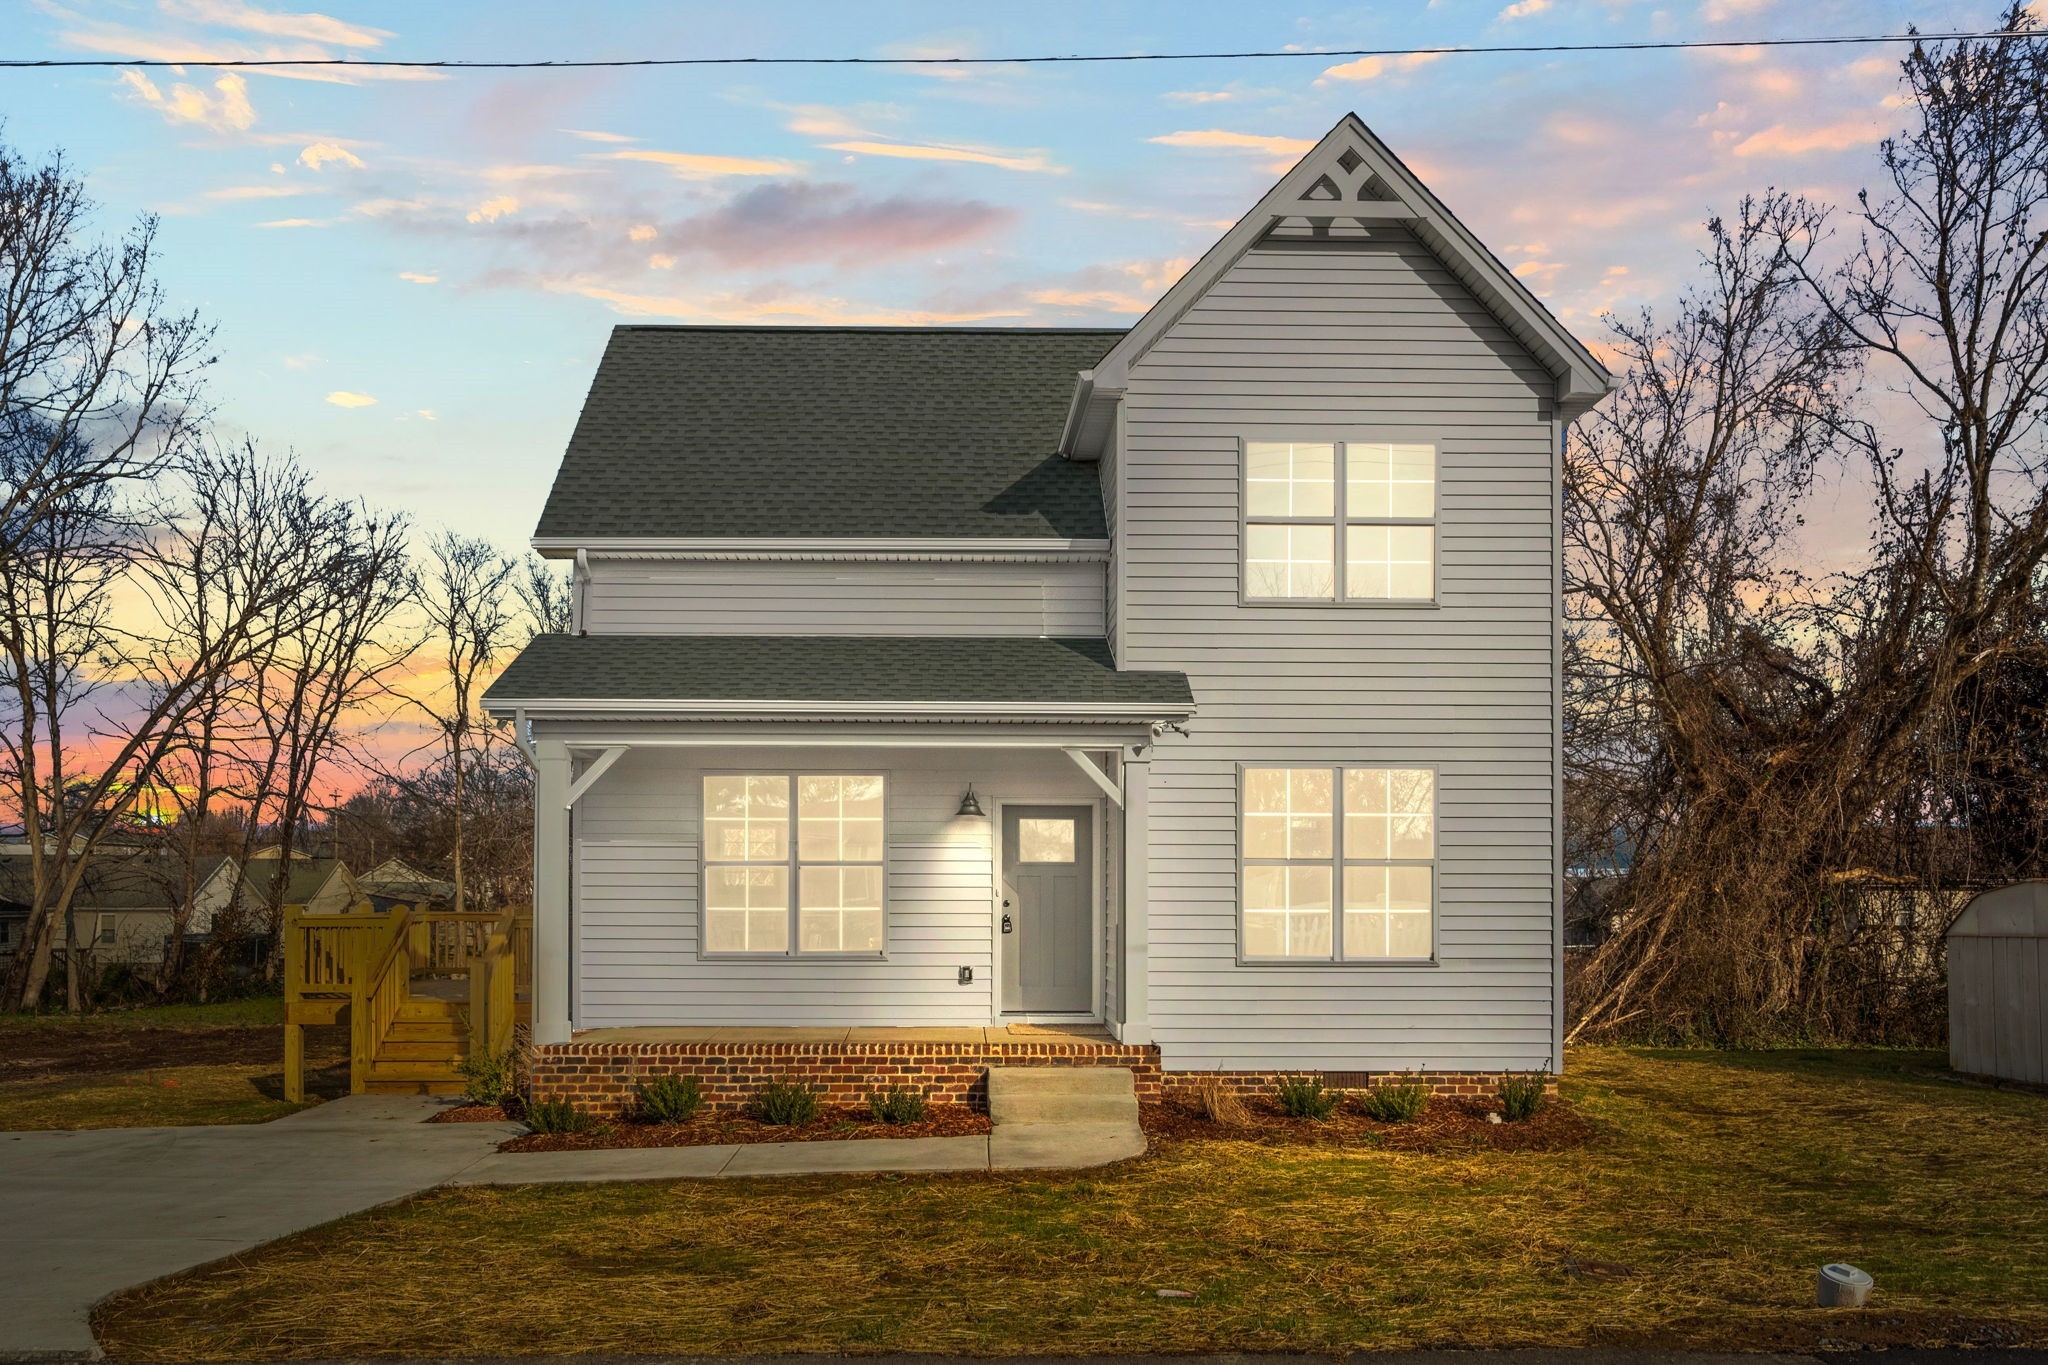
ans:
(602, 1077)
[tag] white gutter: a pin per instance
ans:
(633, 546)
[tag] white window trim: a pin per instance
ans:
(794, 866)
(1336, 865)
(1340, 521)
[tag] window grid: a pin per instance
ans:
(1393, 913)
(1387, 503)
(818, 863)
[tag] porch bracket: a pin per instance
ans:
(591, 774)
(1095, 774)
(522, 737)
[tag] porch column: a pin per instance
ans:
(550, 892)
(1134, 1024)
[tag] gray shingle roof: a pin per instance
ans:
(805, 431)
(827, 669)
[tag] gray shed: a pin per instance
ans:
(1998, 984)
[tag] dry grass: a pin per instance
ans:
(178, 1064)
(1719, 1182)
(157, 1097)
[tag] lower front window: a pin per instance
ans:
(1338, 864)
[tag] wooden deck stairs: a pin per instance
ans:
(408, 1036)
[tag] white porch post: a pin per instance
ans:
(551, 774)
(1134, 1022)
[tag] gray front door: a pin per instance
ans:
(1048, 886)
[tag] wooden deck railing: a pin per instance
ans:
(361, 962)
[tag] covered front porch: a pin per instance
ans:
(838, 834)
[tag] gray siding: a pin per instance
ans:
(636, 923)
(776, 597)
(1320, 341)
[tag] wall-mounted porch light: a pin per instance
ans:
(970, 806)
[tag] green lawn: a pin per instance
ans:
(1716, 1185)
(178, 1064)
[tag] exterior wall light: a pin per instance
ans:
(970, 806)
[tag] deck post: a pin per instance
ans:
(551, 782)
(1134, 1021)
(294, 1061)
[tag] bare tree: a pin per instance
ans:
(467, 598)
(92, 366)
(545, 594)
(239, 557)
(99, 387)
(1761, 720)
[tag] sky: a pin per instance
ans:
(413, 273)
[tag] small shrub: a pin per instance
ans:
(670, 1099)
(1305, 1097)
(1395, 1103)
(786, 1104)
(1223, 1107)
(561, 1116)
(486, 1078)
(1521, 1096)
(896, 1105)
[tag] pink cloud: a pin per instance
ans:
(1781, 140)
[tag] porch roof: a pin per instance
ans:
(786, 674)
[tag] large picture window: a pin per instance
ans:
(1339, 864)
(1340, 521)
(793, 864)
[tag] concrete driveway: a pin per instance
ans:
(88, 1213)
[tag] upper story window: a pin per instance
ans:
(793, 864)
(1339, 521)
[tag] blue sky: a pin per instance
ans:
(414, 273)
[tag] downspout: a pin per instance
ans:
(579, 587)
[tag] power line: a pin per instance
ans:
(1831, 40)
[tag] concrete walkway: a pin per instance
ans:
(91, 1212)
(1042, 1118)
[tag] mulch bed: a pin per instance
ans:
(1445, 1125)
(472, 1113)
(833, 1124)
(63, 1050)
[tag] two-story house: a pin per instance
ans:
(1184, 697)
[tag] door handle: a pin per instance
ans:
(1006, 924)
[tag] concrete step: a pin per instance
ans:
(1061, 1094)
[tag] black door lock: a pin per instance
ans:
(1006, 924)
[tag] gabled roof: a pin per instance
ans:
(827, 432)
(907, 676)
(1350, 177)
(149, 881)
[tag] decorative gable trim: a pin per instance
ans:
(1349, 178)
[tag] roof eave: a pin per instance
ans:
(540, 708)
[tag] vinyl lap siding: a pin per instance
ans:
(636, 894)
(735, 597)
(1349, 335)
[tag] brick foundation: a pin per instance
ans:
(602, 1076)
(1251, 1084)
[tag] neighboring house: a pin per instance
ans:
(126, 909)
(1200, 679)
(395, 882)
(324, 886)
